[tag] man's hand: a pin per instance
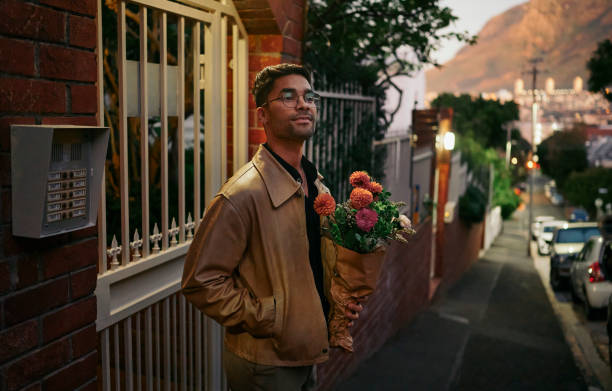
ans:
(353, 310)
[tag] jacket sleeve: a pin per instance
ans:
(209, 277)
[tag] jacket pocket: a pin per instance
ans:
(279, 310)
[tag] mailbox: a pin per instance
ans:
(56, 178)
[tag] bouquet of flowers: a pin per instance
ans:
(356, 232)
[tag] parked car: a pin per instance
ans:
(567, 242)
(537, 222)
(578, 214)
(556, 199)
(589, 280)
(547, 229)
(550, 187)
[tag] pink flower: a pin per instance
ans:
(366, 219)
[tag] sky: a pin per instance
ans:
(473, 15)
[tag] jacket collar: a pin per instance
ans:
(280, 184)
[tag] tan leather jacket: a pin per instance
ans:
(248, 268)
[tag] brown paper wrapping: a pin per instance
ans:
(353, 276)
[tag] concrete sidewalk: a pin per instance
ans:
(495, 329)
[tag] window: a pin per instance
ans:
(576, 235)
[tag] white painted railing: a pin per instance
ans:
(150, 338)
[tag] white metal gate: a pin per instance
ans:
(156, 74)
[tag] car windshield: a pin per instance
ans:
(549, 228)
(576, 235)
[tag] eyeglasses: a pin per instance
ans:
(290, 98)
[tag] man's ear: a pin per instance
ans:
(262, 116)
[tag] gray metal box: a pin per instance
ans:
(56, 176)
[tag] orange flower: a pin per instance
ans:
(324, 204)
(360, 198)
(375, 187)
(360, 179)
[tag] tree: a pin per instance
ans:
(480, 119)
(600, 67)
(479, 159)
(563, 153)
(363, 40)
(582, 188)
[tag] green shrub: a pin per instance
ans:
(472, 205)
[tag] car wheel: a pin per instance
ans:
(575, 298)
(555, 279)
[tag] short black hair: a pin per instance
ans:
(266, 77)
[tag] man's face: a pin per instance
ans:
(282, 121)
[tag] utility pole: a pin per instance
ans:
(534, 114)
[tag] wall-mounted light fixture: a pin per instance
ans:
(449, 141)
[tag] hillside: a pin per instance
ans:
(563, 32)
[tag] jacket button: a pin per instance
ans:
(325, 350)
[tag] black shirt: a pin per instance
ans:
(312, 221)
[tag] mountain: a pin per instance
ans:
(564, 33)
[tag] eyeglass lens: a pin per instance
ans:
(290, 98)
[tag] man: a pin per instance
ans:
(255, 263)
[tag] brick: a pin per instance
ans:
(5, 277)
(84, 341)
(66, 63)
(259, 62)
(24, 96)
(14, 245)
(5, 207)
(69, 319)
(85, 121)
(289, 29)
(18, 339)
(292, 47)
(84, 98)
(16, 57)
(271, 43)
(33, 387)
(261, 26)
(86, 7)
(5, 130)
(253, 43)
(27, 271)
(5, 174)
(295, 12)
(257, 136)
(69, 258)
(37, 364)
(93, 386)
(85, 233)
(30, 21)
(82, 32)
(36, 301)
(83, 283)
(73, 375)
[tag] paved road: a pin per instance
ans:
(494, 330)
(588, 339)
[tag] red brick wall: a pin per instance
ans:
(273, 43)
(461, 246)
(402, 292)
(47, 76)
